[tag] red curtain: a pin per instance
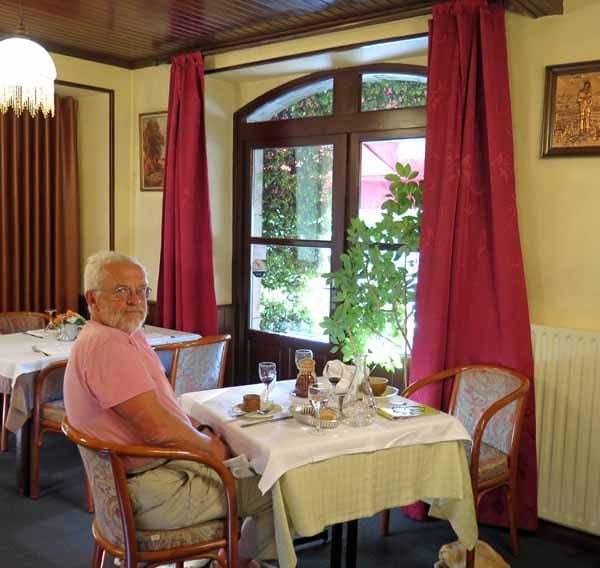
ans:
(471, 296)
(186, 292)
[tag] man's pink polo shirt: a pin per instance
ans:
(107, 367)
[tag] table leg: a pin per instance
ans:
(23, 437)
(471, 558)
(336, 545)
(351, 538)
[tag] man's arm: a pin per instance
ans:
(158, 427)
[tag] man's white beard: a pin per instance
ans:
(121, 321)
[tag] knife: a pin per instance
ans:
(274, 419)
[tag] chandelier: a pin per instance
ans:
(27, 75)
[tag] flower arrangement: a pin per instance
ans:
(69, 317)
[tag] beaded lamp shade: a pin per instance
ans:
(27, 75)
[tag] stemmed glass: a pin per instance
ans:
(302, 354)
(267, 373)
(318, 395)
(334, 380)
(51, 327)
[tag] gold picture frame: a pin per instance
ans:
(572, 110)
(153, 145)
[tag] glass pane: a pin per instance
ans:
(382, 91)
(288, 295)
(292, 192)
(315, 99)
(379, 158)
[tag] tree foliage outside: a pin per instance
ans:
(392, 94)
(374, 290)
(296, 203)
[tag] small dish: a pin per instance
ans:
(388, 393)
(306, 415)
(239, 411)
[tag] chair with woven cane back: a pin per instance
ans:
(197, 365)
(114, 527)
(16, 322)
(490, 402)
(48, 413)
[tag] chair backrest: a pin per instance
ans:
(198, 365)
(477, 388)
(49, 383)
(14, 322)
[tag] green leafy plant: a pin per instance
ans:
(374, 290)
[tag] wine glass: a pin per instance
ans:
(318, 395)
(267, 373)
(302, 354)
(51, 327)
(333, 381)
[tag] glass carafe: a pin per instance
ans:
(359, 404)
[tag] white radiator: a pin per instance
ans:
(567, 384)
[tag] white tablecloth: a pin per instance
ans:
(19, 364)
(17, 355)
(271, 458)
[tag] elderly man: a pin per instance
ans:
(115, 389)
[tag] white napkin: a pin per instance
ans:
(336, 368)
(239, 466)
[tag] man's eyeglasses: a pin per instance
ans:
(124, 292)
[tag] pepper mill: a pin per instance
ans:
(306, 377)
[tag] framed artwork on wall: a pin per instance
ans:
(153, 144)
(572, 110)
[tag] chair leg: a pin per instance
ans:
(88, 493)
(470, 558)
(179, 564)
(512, 519)
(98, 557)
(34, 466)
(4, 433)
(385, 523)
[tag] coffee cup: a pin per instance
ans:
(378, 385)
(251, 402)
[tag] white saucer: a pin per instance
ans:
(239, 411)
(389, 392)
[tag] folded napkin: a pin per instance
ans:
(336, 368)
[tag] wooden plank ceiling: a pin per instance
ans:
(138, 33)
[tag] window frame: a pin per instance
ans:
(346, 128)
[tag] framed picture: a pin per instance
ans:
(153, 144)
(572, 110)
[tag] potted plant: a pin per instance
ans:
(374, 290)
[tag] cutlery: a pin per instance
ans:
(38, 350)
(274, 419)
(33, 334)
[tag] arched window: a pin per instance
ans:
(309, 156)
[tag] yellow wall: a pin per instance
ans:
(558, 198)
(109, 77)
(93, 158)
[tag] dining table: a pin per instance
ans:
(346, 473)
(22, 356)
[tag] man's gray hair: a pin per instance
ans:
(96, 264)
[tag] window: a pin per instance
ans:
(310, 156)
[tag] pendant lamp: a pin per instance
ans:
(27, 75)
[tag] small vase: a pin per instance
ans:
(359, 406)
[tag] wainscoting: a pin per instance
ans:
(567, 383)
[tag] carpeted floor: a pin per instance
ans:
(54, 531)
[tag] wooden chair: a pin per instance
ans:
(114, 526)
(197, 365)
(16, 322)
(48, 413)
(490, 402)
